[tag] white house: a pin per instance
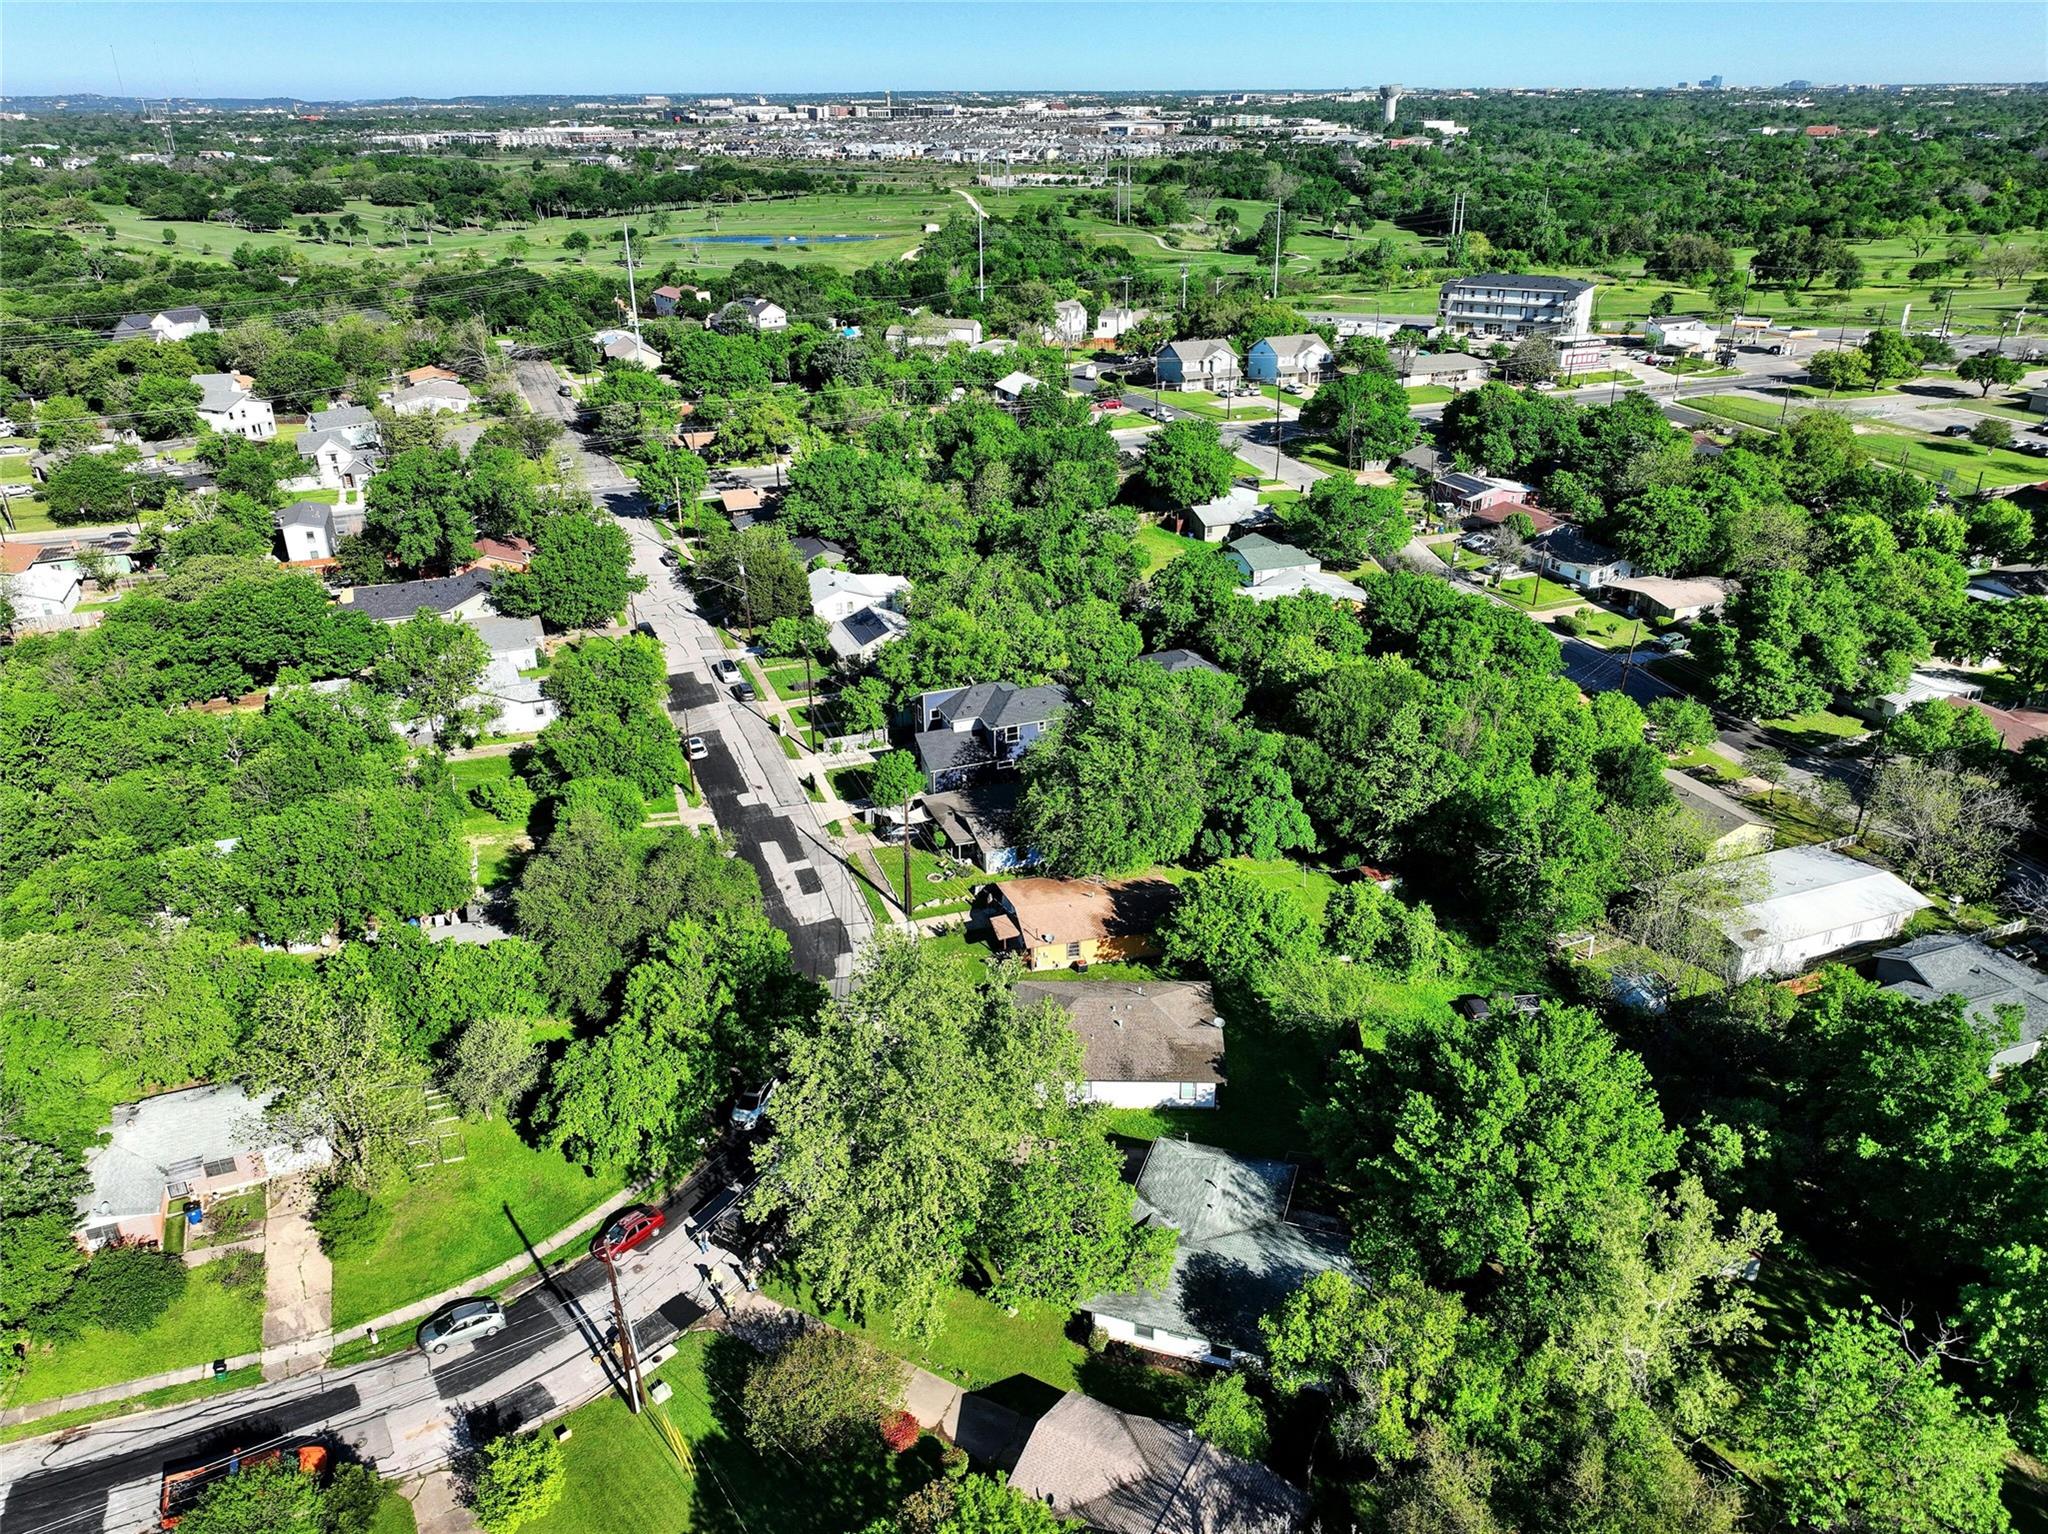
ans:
(1289, 359)
(1681, 333)
(752, 314)
(1213, 520)
(1069, 321)
(1155, 1045)
(1238, 1254)
(625, 346)
(1115, 320)
(1799, 904)
(308, 531)
(44, 593)
(164, 325)
(435, 396)
(937, 330)
(1197, 364)
(1501, 304)
(517, 702)
(837, 594)
(353, 423)
(228, 407)
(1012, 387)
(1578, 560)
(1447, 370)
(336, 461)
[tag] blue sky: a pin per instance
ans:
(334, 51)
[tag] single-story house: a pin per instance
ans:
(1197, 364)
(1579, 560)
(520, 707)
(741, 498)
(1068, 923)
(1989, 981)
(227, 405)
(696, 441)
(1734, 831)
(1238, 1256)
(431, 372)
(1445, 370)
(1124, 1474)
(45, 594)
(1069, 321)
(508, 553)
(1497, 515)
(1458, 494)
(1213, 520)
(933, 330)
(1799, 904)
(1659, 596)
(180, 324)
(1181, 660)
(1289, 359)
(1262, 560)
(1681, 333)
(437, 396)
(200, 1144)
(627, 347)
(454, 597)
(1013, 386)
(994, 346)
(963, 730)
(1426, 459)
(1921, 687)
(811, 550)
(1155, 1045)
(978, 822)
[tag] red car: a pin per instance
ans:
(635, 1225)
(1109, 404)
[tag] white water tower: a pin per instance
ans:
(1390, 98)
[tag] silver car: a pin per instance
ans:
(461, 1321)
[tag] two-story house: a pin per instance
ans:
(752, 314)
(1290, 359)
(228, 405)
(1499, 304)
(1197, 364)
(965, 731)
(1069, 322)
(179, 324)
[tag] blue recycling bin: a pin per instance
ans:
(194, 1214)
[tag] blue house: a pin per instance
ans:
(965, 731)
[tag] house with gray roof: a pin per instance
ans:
(1578, 559)
(1200, 363)
(1732, 830)
(1238, 1256)
(1515, 304)
(1172, 661)
(1796, 905)
(228, 405)
(308, 531)
(978, 823)
(450, 596)
(195, 1145)
(1290, 359)
(1153, 1045)
(180, 324)
(1989, 981)
(1261, 559)
(430, 396)
(1214, 519)
(963, 732)
(1124, 1474)
(353, 422)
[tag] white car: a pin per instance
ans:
(463, 1321)
(753, 1103)
(695, 749)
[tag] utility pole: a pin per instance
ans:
(1278, 203)
(980, 274)
(1183, 287)
(632, 298)
(629, 1359)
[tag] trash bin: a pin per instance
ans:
(194, 1215)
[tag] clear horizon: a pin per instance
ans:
(475, 48)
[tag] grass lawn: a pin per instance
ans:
(1596, 379)
(1161, 547)
(1957, 459)
(495, 842)
(457, 1220)
(1798, 822)
(926, 890)
(1723, 769)
(230, 1219)
(619, 1468)
(1429, 394)
(170, 1395)
(1610, 630)
(1818, 727)
(980, 1344)
(394, 1514)
(786, 677)
(210, 1320)
(1521, 590)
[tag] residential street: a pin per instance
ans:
(405, 1412)
(751, 787)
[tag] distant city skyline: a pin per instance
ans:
(345, 51)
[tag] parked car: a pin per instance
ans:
(746, 1113)
(695, 749)
(565, 391)
(2038, 448)
(743, 690)
(725, 670)
(1955, 431)
(635, 1225)
(461, 1321)
(1112, 403)
(1158, 413)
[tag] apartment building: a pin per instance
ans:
(1496, 304)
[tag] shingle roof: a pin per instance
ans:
(1163, 1031)
(149, 1139)
(1237, 1257)
(305, 514)
(503, 636)
(219, 391)
(1016, 383)
(1289, 346)
(860, 631)
(1809, 892)
(943, 751)
(1719, 812)
(1261, 553)
(1126, 1474)
(994, 704)
(185, 314)
(1949, 964)
(1235, 505)
(340, 418)
(981, 812)
(402, 599)
(1569, 545)
(1194, 349)
(1181, 660)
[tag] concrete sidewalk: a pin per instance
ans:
(298, 1296)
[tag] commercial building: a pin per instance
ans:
(1498, 304)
